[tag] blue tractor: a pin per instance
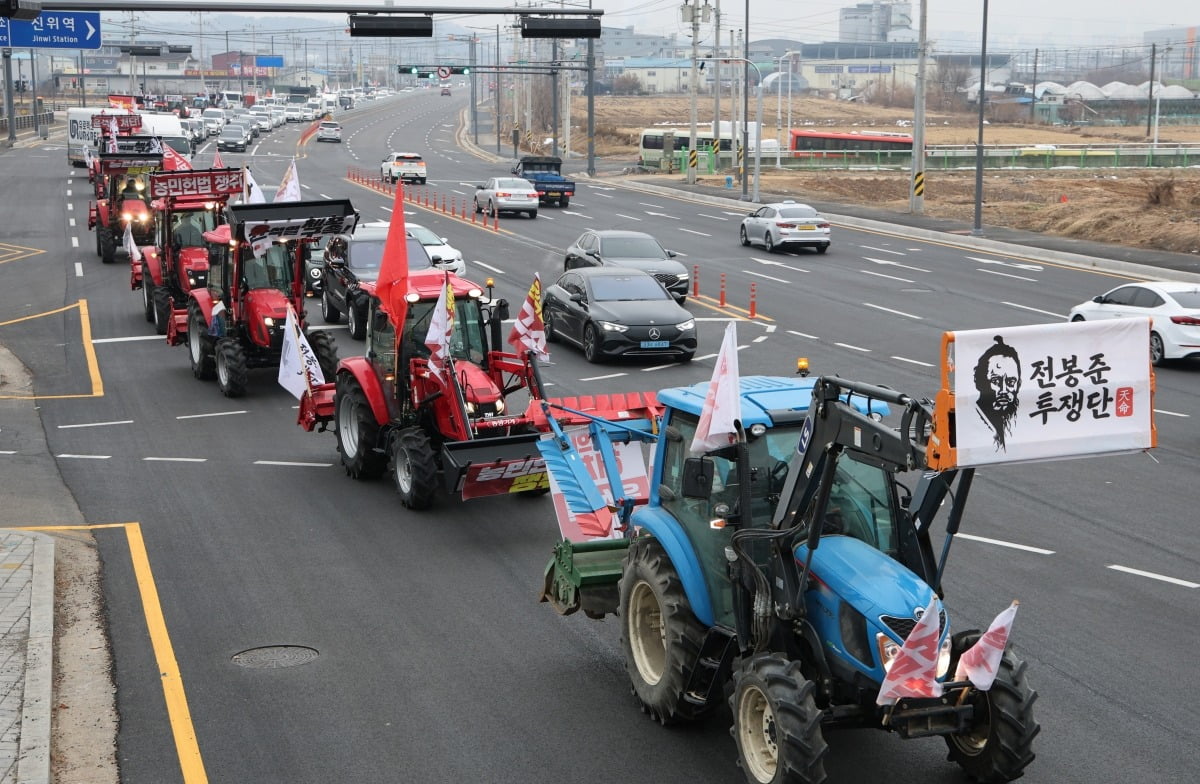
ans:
(783, 573)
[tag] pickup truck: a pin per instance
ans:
(545, 172)
(407, 166)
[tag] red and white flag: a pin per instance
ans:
(914, 670)
(129, 244)
(113, 131)
(289, 186)
(441, 330)
(722, 404)
(173, 161)
(981, 661)
(252, 194)
(217, 162)
(529, 331)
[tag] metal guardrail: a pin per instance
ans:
(26, 122)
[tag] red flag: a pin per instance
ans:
(217, 162)
(173, 161)
(981, 661)
(529, 331)
(392, 284)
(914, 670)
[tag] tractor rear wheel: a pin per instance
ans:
(1000, 744)
(660, 635)
(357, 431)
(325, 347)
(162, 310)
(231, 367)
(108, 245)
(414, 468)
(147, 295)
(200, 345)
(776, 722)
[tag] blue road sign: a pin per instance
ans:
(53, 30)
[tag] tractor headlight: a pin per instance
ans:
(192, 281)
(889, 649)
(944, 657)
(268, 321)
(499, 406)
(686, 326)
(126, 216)
(470, 409)
(608, 326)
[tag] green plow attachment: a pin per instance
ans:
(585, 575)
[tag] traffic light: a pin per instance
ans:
(407, 69)
(457, 70)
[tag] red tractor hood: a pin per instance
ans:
(477, 386)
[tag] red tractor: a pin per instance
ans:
(122, 193)
(186, 204)
(256, 263)
(393, 412)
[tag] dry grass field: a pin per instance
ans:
(1148, 208)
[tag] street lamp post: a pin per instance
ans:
(1158, 94)
(778, 100)
(977, 230)
(745, 130)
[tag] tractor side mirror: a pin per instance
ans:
(698, 477)
(501, 308)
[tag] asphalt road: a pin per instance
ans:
(422, 654)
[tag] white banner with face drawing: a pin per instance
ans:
(1052, 390)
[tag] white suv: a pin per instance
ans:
(329, 131)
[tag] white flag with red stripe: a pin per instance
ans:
(981, 661)
(529, 330)
(914, 670)
(173, 161)
(289, 186)
(441, 330)
(251, 193)
(722, 404)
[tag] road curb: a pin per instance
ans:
(33, 764)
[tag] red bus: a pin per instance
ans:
(817, 143)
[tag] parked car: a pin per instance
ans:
(786, 224)
(506, 194)
(1173, 309)
(631, 249)
(616, 312)
(353, 259)
(329, 131)
(232, 137)
(444, 255)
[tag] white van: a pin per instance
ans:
(80, 132)
(229, 99)
(170, 128)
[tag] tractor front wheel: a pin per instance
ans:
(776, 722)
(660, 635)
(162, 310)
(1000, 743)
(414, 468)
(108, 245)
(147, 295)
(357, 431)
(200, 345)
(231, 367)
(325, 347)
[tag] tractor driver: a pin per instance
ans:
(187, 232)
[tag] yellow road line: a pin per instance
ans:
(89, 352)
(713, 304)
(14, 252)
(191, 764)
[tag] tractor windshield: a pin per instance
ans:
(272, 270)
(467, 340)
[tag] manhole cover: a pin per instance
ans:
(273, 657)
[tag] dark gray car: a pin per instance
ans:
(631, 250)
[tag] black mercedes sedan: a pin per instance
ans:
(614, 312)
(630, 249)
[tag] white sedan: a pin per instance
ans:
(784, 224)
(444, 255)
(1173, 309)
(506, 194)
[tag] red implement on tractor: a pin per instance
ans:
(236, 321)
(394, 411)
(186, 204)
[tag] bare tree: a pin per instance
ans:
(627, 84)
(949, 81)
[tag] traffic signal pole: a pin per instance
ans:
(9, 109)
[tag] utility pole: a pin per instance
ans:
(691, 14)
(746, 104)
(716, 63)
(591, 105)
(499, 92)
(1150, 97)
(474, 108)
(916, 185)
(554, 108)
(1033, 98)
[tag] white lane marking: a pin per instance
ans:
(68, 191)
(214, 414)
(706, 356)
(78, 269)
(1002, 543)
(648, 204)
(738, 214)
(1014, 264)
(690, 231)
(544, 216)
(889, 277)
(773, 263)
(913, 361)
(1153, 576)
(1006, 274)
(389, 209)
(802, 335)
(489, 267)
(455, 190)
(722, 319)
(129, 339)
(605, 195)
(894, 312)
(573, 212)
(292, 464)
(74, 242)
(713, 217)
(760, 339)
(97, 424)
(1171, 413)
(323, 196)
(854, 348)
(768, 277)
(603, 378)
(771, 327)
(8, 451)
(662, 215)
(175, 459)
(659, 367)
(66, 456)
(628, 217)
(883, 250)
(70, 206)
(1033, 310)
(71, 223)
(890, 263)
